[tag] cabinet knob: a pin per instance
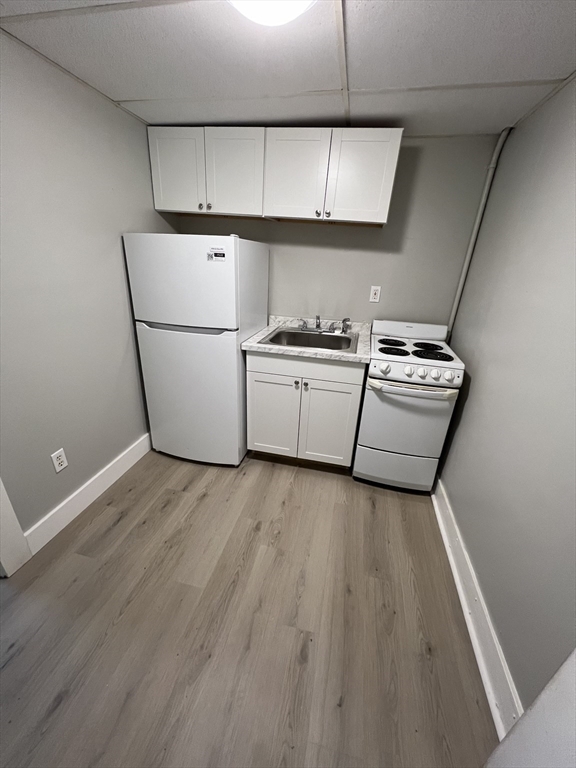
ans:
(200, 206)
(327, 214)
(306, 385)
(318, 213)
(209, 206)
(297, 383)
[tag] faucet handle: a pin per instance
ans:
(304, 325)
(346, 325)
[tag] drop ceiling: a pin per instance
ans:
(436, 67)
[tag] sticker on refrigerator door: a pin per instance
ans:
(216, 254)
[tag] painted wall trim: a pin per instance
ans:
(503, 698)
(57, 519)
(14, 547)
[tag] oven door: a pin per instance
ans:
(406, 418)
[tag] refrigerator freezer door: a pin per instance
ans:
(193, 382)
(187, 280)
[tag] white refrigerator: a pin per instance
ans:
(195, 299)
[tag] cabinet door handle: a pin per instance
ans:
(200, 206)
(209, 206)
(297, 383)
(327, 214)
(318, 213)
(306, 385)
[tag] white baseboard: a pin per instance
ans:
(46, 528)
(503, 698)
(14, 548)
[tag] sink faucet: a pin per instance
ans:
(318, 326)
(346, 325)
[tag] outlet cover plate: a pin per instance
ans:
(59, 460)
(375, 293)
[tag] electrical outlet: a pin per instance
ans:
(59, 460)
(375, 293)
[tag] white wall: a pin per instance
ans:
(510, 470)
(74, 176)
(328, 268)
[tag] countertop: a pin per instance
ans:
(362, 354)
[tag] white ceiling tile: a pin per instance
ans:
(416, 43)
(326, 108)
(445, 112)
(17, 7)
(189, 50)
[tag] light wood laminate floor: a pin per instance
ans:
(269, 615)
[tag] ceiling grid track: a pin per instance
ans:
(459, 86)
(82, 10)
(72, 75)
(341, 31)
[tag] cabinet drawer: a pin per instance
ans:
(286, 365)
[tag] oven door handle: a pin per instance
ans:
(412, 390)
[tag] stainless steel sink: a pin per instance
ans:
(292, 337)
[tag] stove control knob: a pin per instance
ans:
(449, 375)
(408, 370)
(385, 368)
(422, 372)
(435, 373)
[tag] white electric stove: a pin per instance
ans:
(412, 386)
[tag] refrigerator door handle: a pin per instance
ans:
(187, 329)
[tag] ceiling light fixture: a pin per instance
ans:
(272, 13)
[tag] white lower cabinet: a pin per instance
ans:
(297, 413)
(273, 413)
(328, 419)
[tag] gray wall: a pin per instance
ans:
(74, 177)
(545, 734)
(510, 470)
(328, 268)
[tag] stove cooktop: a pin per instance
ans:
(413, 350)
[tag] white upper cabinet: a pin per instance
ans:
(361, 173)
(296, 172)
(341, 174)
(234, 170)
(178, 171)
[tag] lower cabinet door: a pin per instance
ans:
(328, 419)
(273, 413)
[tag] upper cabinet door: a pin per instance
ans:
(296, 172)
(235, 170)
(178, 172)
(362, 166)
